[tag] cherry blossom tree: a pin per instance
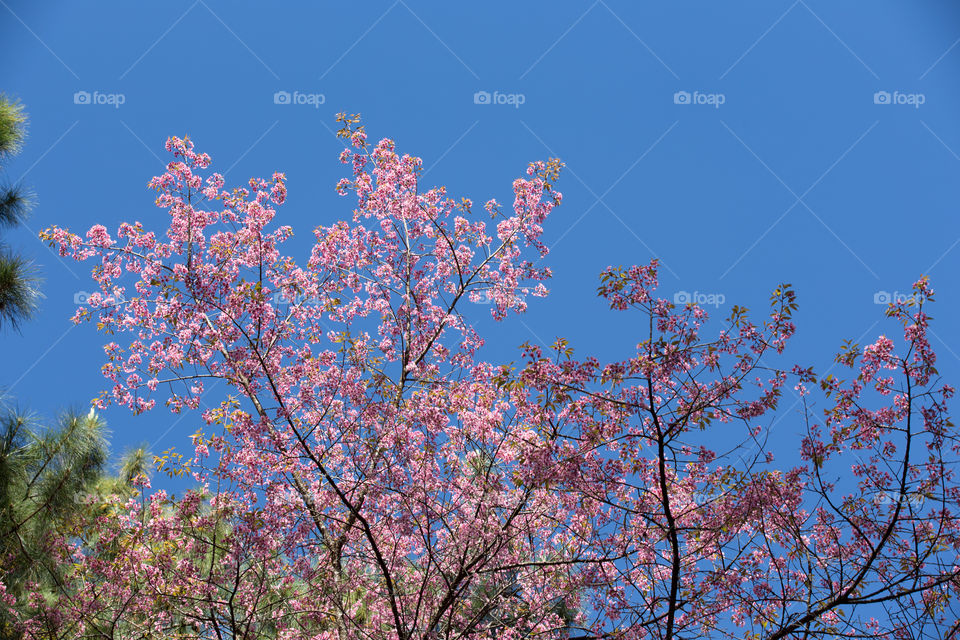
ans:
(369, 475)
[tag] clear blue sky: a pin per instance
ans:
(780, 167)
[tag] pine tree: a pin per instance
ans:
(53, 482)
(19, 292)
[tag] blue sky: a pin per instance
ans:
(743, 143)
